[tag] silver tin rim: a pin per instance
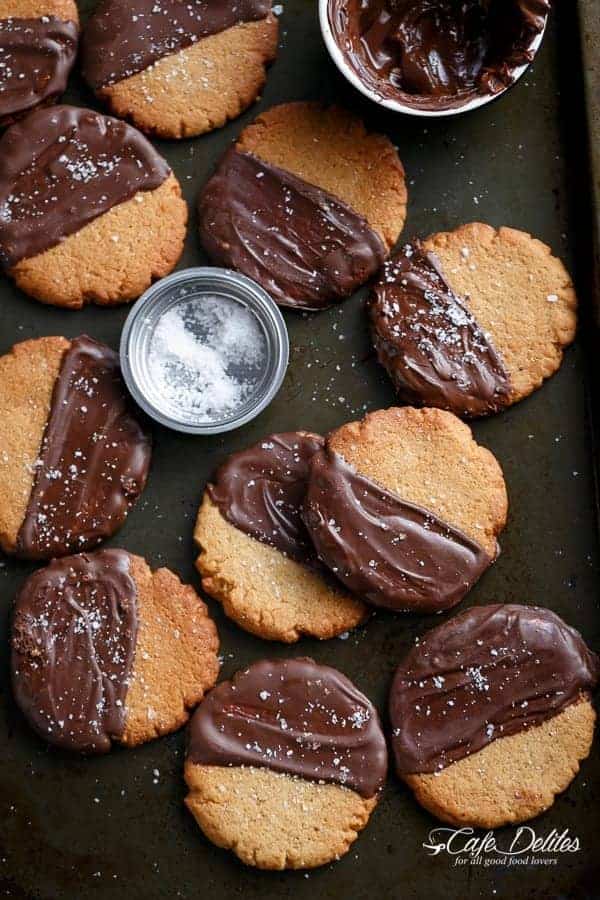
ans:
(159, 298)
(396, 105)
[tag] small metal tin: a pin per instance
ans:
(397, 105)
(180, 290)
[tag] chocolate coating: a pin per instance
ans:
(93, 461)
(36, 56)
(124, 37)
(436, 54)
(73, 645)
(260, 491)
(62, 167)
(303, 245)
(431, 345)
(389, 552)
(296, 717)
(487, 673)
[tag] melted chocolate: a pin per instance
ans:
(292, 716)
(36, 56)
(389, 552)
(487, 673)
(436, 54)
(432, 347)
(73, 645)
(62, 167)
(124, 37)
(260, 491)
(93, 461)
(303, 245)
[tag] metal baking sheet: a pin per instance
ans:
(116, 827)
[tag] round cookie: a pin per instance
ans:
(491, 714)
(472, 320)
(104, 650)
(256, 557)
(38, 45)
(73, 457)
(405, 508)
(179, 69)
(285, 764)
(89, 211)
(307, 203)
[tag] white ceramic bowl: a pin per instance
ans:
(397, 105)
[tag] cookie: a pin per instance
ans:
(285, 764)
(104, 650)
(179, 69)
(491, 714)
(89, 211)
(73, 457)
(307, 203)
(472, 320)
(256, 557)
(38, 45)
(405, 508)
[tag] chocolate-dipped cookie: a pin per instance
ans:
(73, 457)
(491, 714)
(179, 69)
(89, 211)
(104, 650)
(405, 508)
(38, 45)
(285, 764)
(255, 553)
(472, 320)
(293, 204)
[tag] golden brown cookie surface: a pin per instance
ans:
(405, 508)
(284, 764)
(472, 320)
(104, 650)
(255, 554)
(89, 211)
(491, 714)
(179, 70)
(307, 203)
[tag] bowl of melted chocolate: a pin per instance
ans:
(433, 57)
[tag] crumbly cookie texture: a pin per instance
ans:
(66, 10)
(430, 458)
(175, 657)
(201, 87)
(331, 149)
(518, 292)
(27, 376)
(514, 778)
(114, 258)
(265, 592)
(272, 820)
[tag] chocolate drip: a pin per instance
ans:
(93, 461)
(487, 673)
(292, 716)
(73, 646)
(260, 491)
(436, 54)
(432, 347)
(62, 167)
(36, 56)
(123, 37)
(303, 245)
(389, 552)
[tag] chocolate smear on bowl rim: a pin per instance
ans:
(295, 717)
(486, 673)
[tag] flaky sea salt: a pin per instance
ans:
(207, 356)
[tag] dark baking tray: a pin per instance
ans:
(111, 828)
